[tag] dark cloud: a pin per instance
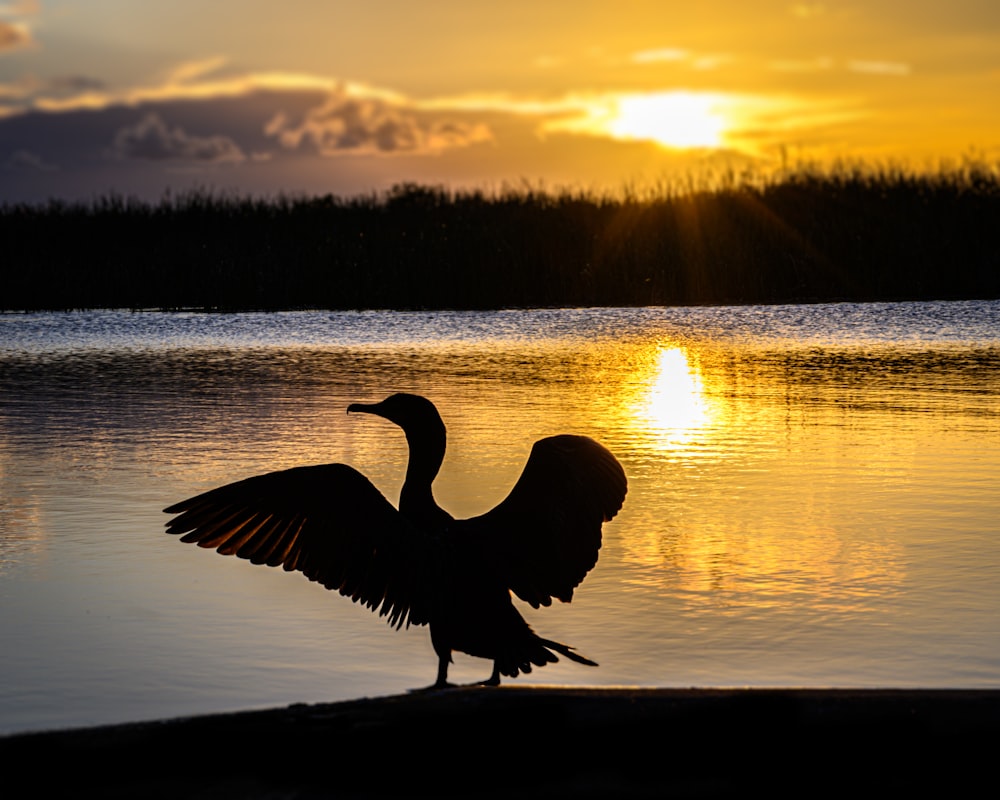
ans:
(459, 134)
(151, 139)
(27, 160)
(73, 84)
(95, 157)
(145, 148)
(352, 124)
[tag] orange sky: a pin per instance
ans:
(307, 96)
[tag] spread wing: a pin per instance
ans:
(330, 523)
(545, 535)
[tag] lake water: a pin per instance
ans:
(814, 496)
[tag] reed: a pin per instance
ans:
(846, 232)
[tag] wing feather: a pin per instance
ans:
(328, 522)
(546, 533)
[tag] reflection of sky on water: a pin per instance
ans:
(797, 511)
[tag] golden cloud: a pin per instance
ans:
(890, 68)
(353, 121)
(14, 36)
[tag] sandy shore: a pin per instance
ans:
(528, 742)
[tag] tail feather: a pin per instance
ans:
(568, 651)
(540, 653)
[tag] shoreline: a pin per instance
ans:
(528, 741)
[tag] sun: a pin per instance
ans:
(672, 119)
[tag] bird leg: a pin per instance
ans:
(494, 679)
(442, 676)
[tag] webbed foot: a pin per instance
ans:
(493, 680)
(434, 687)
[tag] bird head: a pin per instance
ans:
(420, 421)
(411, 412)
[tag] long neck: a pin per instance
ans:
(416, 500)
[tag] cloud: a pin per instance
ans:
(710, 61)
(151, 139)
(10, 92)
(891, 68)
(658, 56)
(73, 84)
(353, 123)
(355, 119)
(548, 62)
(190, 71)
(196, 80)
(744, 124)
(821, 64)
(20, 7)
(26, 160)
(26, 92)
(191, 80)
(676, 55)
(807, 10)
(14, 36)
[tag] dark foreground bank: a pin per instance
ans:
(524, 742)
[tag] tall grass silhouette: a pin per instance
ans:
(849, 232)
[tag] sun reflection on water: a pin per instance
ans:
(749, 517)
(673, 406)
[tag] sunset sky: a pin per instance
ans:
(303, 96)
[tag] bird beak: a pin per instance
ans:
(365, 408)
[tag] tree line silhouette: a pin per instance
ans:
(809, 235)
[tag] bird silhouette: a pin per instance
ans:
(418, 564)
